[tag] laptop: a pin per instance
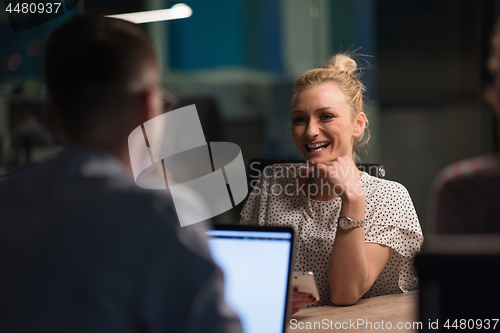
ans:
(257, 264)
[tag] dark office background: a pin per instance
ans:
(424, 65)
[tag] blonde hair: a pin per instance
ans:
(341, 68)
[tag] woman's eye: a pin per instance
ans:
(327, 116)
(298, 120)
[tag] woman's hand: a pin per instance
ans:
(343, 177)
(299, 300)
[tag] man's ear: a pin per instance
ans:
(492, 96)
(53, 120)
(359, 125)
(151, 105)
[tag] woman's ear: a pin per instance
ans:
(359, 125)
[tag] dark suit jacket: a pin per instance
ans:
(83, 249)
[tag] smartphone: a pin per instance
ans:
(305, 282)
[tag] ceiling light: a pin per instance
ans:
(177, 11)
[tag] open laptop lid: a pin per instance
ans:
(257, 265)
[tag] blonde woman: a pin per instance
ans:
(357, 233)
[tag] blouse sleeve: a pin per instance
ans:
(394, 223)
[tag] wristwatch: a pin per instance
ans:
(346, 222)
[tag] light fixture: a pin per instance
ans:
(177, 11)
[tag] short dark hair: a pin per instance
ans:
(90, 63)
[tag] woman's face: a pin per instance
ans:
(322, 124)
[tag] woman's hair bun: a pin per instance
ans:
(341, 62)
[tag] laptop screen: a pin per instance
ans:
(256, 262)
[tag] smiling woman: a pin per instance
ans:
(357, 233)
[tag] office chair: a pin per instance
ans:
(256, 167)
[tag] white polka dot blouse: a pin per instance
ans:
(391, 220)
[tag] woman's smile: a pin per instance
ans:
(316, 147)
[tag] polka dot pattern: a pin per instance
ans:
(391, 220)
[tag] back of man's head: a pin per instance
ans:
(94, 66)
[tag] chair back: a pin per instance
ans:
(257, 165)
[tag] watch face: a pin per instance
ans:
(343, 222)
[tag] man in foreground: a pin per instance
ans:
(82, 248)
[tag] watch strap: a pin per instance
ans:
(351, 223)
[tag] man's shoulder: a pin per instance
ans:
(73, 169)
(81, 184)
(90, 198)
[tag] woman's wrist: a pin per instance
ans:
(352, 190)
(353, 206)
(353, 197)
